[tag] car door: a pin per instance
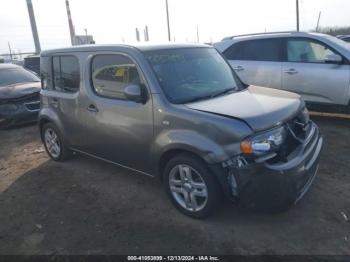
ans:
(116, 129)
(307, 73)
(62, 99)
(257, 62)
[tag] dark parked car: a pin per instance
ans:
(179, 113)
(19, 95)
(345, 38)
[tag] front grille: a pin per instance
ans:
(27, 98)
(298, 129)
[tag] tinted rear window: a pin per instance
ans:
(255, 50)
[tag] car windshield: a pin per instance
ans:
(191, 74)
(338, 41)
(10, 76)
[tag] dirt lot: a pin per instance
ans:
(85, 206)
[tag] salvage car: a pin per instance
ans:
(19, 95)
(316, 66)
(179, 113)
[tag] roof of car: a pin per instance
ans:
(7, 66)
(228, 41)
(141, 47)
(271, 34)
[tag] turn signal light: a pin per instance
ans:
(246, 147)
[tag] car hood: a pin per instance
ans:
(19, 90)
(261, 108)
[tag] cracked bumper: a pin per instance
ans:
(274, 186)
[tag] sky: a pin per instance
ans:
(114, 21)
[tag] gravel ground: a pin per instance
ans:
(85, 206)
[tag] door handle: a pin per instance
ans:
(291, 71)
(238, 68)
(92, 108)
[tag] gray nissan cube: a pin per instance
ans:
(180, 114)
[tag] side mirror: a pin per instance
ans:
(333, 59)
(134, 92)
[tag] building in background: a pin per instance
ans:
(83, 40)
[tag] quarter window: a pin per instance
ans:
(66, 73)
(256, 50)
(112, 73)
(303, 50)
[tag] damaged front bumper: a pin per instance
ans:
(270, 185)
(19, 112)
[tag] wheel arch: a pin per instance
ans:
(169, 154)
(47, 116)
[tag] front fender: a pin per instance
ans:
(191, 141)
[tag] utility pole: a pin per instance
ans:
(137, 35)
(86, 37)
(297, 7)
(167, 18)
(33, 25)
(145, 32)
(318, 21)
(8, 43)
(70, 23)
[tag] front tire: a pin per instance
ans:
(54, 144)
(190, 186)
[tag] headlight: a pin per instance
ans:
(4, 108)
(264, 143)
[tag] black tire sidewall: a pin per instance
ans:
(210, 181)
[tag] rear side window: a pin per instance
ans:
(112, 73)
(66, 73)
(256, 50)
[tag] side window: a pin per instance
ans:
(112, 73)
(45, 73)
(303, 50)
(66, 73)
(234, 52)
(256, 50)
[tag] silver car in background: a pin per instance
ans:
(316, 66)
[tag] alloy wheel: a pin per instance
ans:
(188, 188)
(52, 143)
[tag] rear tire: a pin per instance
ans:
(190, 186)
(54, 143)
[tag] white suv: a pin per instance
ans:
(316, 66)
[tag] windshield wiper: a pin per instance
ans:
(223, 92)
(195, 99)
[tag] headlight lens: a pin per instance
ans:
(264, 143)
